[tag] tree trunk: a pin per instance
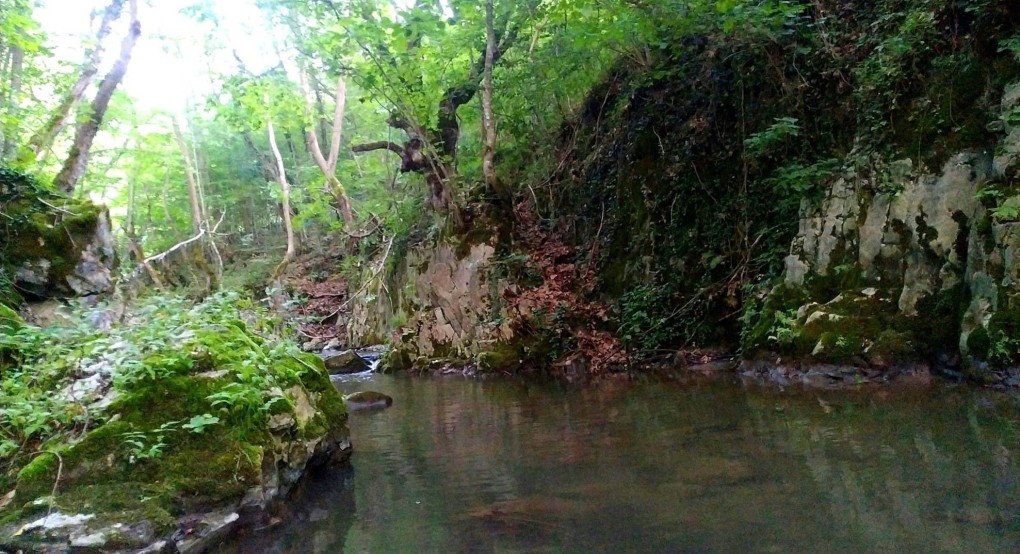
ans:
(133, 243)
(320, 112)
(267, 165)
(42, 140)
(200, 226)
(285, 189)
(77, 160)
(433, 152)
(488, 121)
(334, 187)
(10, 135)
(197, 217)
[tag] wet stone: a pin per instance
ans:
(367, 400)
(343, 363)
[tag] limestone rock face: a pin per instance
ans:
(908, 238)
(907, 258)
(443, 301)
(60, 255)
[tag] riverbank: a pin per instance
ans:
(166, 427)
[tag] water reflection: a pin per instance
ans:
(500, 466)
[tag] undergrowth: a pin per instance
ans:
(164, 340)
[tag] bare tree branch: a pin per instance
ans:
(379, 145)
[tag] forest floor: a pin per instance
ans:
(323, 298)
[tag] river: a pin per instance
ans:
(506, 466)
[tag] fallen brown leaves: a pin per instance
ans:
(565, 289)
(315, 279)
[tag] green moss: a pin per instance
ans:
(47, 227)
(329, 401)
(151, 403)
(399, 358)
(120, 502)
(37, 478)
(854, 327)
(837, 348)
(192, 471)
(500, 356)
(891, 346)
(979, 343)
(148, 458)
(762, 320)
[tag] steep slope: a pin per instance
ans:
(874, 139)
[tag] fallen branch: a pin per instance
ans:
(153, 274)
(178, 246)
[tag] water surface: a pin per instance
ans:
(460, 465)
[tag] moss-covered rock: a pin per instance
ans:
(222, 420)
(54, 246)
(443, 301)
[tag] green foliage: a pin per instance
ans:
(197, 424)
(893, 63)
(796, 181)
(999, 341)
(1003, 205)
(784, 328)
(1008, 210)
(164, 340)
(762, 143)
(647, 319)
(147, 445)
(1011, 45)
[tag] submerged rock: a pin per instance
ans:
(531, 514)
(367, 400)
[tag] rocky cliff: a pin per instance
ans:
(905, 266)
(878, 140)
(440, 301)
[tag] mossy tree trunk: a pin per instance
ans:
(488, 121)
(432, 152)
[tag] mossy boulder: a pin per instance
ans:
(54, 246)
(828, 321)
(195, 433)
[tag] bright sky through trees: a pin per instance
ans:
(175, 55)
